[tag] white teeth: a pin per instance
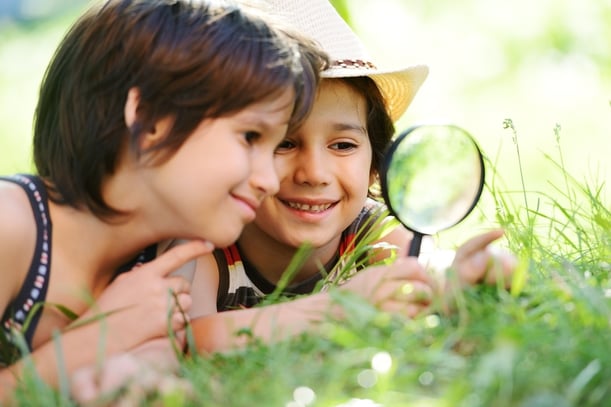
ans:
(309, 208)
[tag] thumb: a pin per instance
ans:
(178, 255)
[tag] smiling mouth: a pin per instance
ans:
(308, 207)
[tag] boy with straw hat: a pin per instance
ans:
(326, 169)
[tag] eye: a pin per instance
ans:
(251, 136)
(285, 145)
(343, 146)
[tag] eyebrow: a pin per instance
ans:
(350, 127)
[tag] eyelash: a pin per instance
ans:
(345, 144)
(339, 146)
(285, 145)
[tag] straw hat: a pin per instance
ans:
(319, 20)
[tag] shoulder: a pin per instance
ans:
(204, 286)
(16, 218)
(207, 271)
(17, 239)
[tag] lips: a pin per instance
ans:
(250, 202)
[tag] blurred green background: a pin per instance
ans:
(539, 63)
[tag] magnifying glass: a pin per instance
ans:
(432, 178)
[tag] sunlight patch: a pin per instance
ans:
(381, 362)
(302, 396)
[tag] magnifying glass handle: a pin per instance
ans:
(414, 246)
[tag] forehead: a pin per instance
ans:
(336, 97)
(274, 110)
(338, 86)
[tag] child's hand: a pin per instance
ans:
(141, 304)
(477, 262)
(146, 369)
(402, 287)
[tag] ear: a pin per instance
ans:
(131, 106)
(149, 137)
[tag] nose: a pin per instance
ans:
(311, 167)
(264, 178)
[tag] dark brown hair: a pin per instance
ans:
(189, 61)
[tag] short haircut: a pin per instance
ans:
(189, 61)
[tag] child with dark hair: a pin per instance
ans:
(156, 119)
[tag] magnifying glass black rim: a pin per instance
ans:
(386, 165)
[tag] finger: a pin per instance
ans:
(180, 336)
(179, 321)
(180, 304)
(414, 310)
(175, 257)
(478, 243)
(178, 284)
(84, 387)
(473, 269)
(415, 292)
(408, 268)
(401, 308)
(183, 302)
(500, 268)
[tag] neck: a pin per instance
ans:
(94, 244)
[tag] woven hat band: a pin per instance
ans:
(353, 63)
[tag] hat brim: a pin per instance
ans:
(397, 86)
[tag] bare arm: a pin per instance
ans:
(379, 285)
(135, 309)
(17, 241)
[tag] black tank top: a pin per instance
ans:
(22, 314)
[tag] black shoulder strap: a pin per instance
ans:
(21, 313)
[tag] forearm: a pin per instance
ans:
(217, 332)
(381, 286)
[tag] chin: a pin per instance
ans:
(314, 241)
(220, 244)
(226, 239)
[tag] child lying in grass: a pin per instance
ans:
(143, 100)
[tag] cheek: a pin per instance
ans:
(266, 213)
(360, 173)
(283, 167)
